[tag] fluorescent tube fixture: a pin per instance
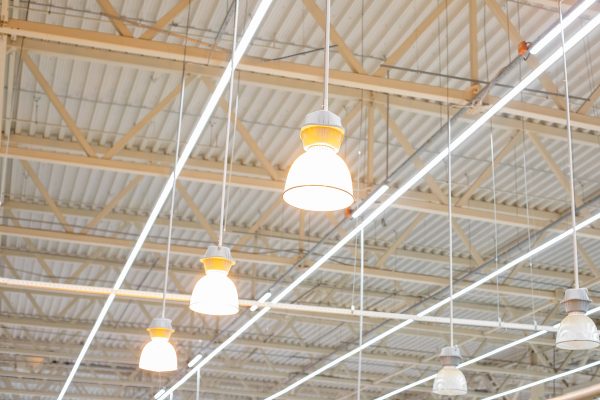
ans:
(256, 20)
(369, 202)
(385, 205)
(192, 362)
(159, 393)
(262, 299)
(555, 31)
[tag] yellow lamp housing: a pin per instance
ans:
(215, 293)
(158, 355)
(322, 128)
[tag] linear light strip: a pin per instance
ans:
(555, 31)
(428, 167)
(544, 380)
(386, 204)
(370, 201)
(261, 11)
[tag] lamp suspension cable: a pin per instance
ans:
(228, 132)
(173, 191)
(495, 211)
(450, 244)
(326, 55)
(361, 316)
(570, 142)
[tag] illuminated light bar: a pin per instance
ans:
(159, 393)
(192, 362)
(511, 94)
(544, 380)
(369, 202)
(568, 20)
(261, 11)
(262, 299)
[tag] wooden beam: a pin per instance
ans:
(408, 43)
(58, 104)
(594, 96)
(49, 200)
(532, 61)
(370, 145)
(165, 20)
(416, 201)
(487, 172)
(112, 203)
(115, 18)
(336, 38)
(554, 167)
(301, 78)
(197, 213)
(162, 104)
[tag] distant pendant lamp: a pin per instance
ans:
(215, 293)
(319, 180)
(577, 331)
(158, 355)
(450, 381)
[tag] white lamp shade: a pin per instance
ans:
(577, 331)
(215, 294)
(450, 381)
(158, 355)
(319, 180)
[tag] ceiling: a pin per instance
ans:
(91, 98)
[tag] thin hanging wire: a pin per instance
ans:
(232, 156)
(526, 189)
(173, 191)
(326, 63)
(361, 316)
(492, 154)
(525, 183)
(229, 110)
(450, 252)
(450, 244)
(570, 140)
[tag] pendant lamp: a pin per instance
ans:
(158, 355)
(319, 179)
(577, 331)
(450, 381)
(215, 293)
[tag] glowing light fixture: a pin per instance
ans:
(158, 355)
(215, 293)
(319, 180)
(450, 381)
(577, 331)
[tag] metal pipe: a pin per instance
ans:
(184, 299)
